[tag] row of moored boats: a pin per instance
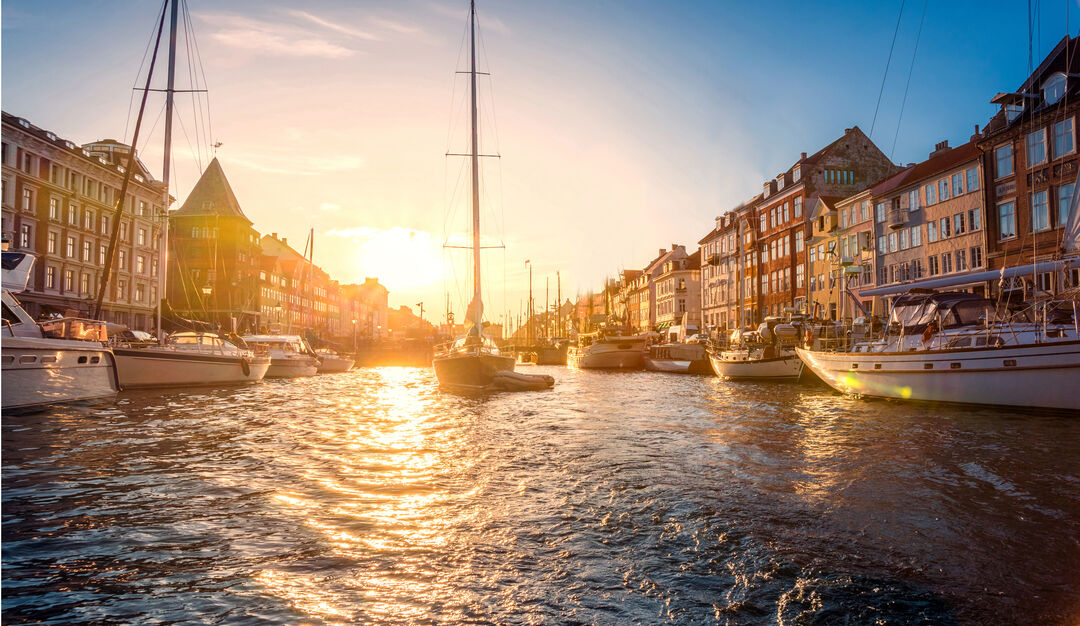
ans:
(69, 359)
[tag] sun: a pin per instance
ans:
(404, 259)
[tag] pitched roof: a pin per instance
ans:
(944, 161)
(212, 195)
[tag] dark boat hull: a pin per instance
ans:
(471, 370)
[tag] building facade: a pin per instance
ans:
(59, 202)
(678, 296)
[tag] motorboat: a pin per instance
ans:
(767, 353)
(678, 358)
(954, 347)
(290, 356)
(60, 360)
(331, 362)
(606, 350)
(188, 359)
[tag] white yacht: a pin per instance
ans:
(950, 347)
(61, 360)
(188, 359)
(602, 350)
(766, 354)
(331, 362)
(290, 356)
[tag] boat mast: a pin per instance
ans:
(165, 169)
(475, 170)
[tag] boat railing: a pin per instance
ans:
(75, 328)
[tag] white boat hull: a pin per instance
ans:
(41, 371)
(292, 367)
(667, 365)
(1038, 376)
(164, 367)
(780, 368)
(331, 365)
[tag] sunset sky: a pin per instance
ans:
(624, 126)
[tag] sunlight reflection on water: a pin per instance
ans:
(370, 496)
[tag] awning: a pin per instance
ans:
(963, 279)
(662, 326)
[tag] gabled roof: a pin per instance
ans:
(890, 183)
(212, 195)
(829, 202)
(943, 162)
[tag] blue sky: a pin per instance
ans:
(624, 126)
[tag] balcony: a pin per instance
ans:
(898, 218)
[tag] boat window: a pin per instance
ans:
(961, 342)
(9, 315)
(970, 312)
(186, 339)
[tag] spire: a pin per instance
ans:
(212, 195)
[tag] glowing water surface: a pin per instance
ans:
(371, 497)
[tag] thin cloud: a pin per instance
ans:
(270, 38)
(487, 21)
(397, 27)
(340, 28)
(298, 165)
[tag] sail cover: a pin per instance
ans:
(1071, 240)
(474, 315)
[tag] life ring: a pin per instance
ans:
(245, 367)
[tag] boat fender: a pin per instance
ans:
(513, 381)
(785, 331)
(766, 333)
(245, 367)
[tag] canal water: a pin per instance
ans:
(370, 497)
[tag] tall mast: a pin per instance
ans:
(475, 167)
(165, 169)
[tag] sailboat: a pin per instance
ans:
(473, 362)
(184, 359)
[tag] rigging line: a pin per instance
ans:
(887, 64)
(194, 107)
(131, 100)
(153, 129)
(911, 70)
(180, 119)
(202, 72)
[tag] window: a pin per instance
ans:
(50, 277)
(1007, 219)
(142, 208)
(787, 246)
(70, 249)
(943, 228)
(913, 200)
(139, 289)
(879, 212)
(930, 195)
(1054, 87)
(864, 213)
(84, 283)
(764, 254)
(1036, 148)
(882, 275)
(1064, 138)
(799, 240)
(51, 246)
(24, 236)
(958, 223)
(764, 224)
(153, 266)
(54, 209)
(796, 174)
(916, 269)
(104, 225)
(800, 276)
(71, 216)
(882, 244)
(976, 257)
(121, 289)
(88, 219)
(932, 266)
(772, 218)
(69, 280)
(797, 203)
(1003, 158)
(943, 189)
(961, 260)
(904, 239)
(813, 254)
(958, 183)
(1064, 200)
(142, 237)
(27, 199)
(892, 242)
(87, 250)
(916, 236)
(786, 212)
(1040, 211)
(946, 263)
(972, 179)
(931, 231)
(140, 264)
(101, 255)
(975, 219)
(843, 218)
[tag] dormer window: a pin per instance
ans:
(1054, 88)
(1013, 111)
(765, 190)
(779, 182)
(796, 174)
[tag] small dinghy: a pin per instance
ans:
(513, 381)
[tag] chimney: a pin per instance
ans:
(941, 146)
(274, 235)
(662, 252)
(803, 157)
(285, 241)
(975, 137)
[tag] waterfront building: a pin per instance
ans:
(1030, 159)
(848, 164)
(304, 299)
(652, 272)
(632, 293)
(59, 200)
(821, 258)
(854, 245)
(365, 307)
(678, 296)
(720, 268)
(214, 257)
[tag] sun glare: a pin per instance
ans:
(403, 258)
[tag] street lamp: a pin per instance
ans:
(354, 335)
